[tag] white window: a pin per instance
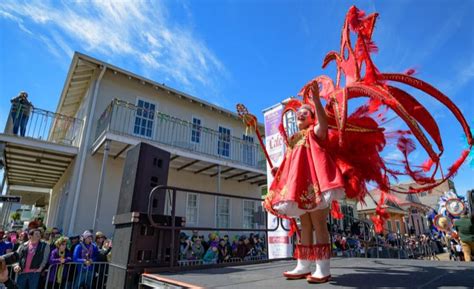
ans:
(289, 123)
(249, 214)
(248, 150)
(144, 118)
(389, 226)
(196, 130)
(222, 212)
(423, 194)
(192, 209)
(223, 145)
(397, 223)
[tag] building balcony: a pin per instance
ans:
(36, 148)
(45, 126)
(199, 148)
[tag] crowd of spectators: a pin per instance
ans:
(45, 258)
(393, 245)
(41, 256)
(218, 249)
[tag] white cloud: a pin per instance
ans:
(465, 74)
(19, 21)
(393, 154)
(138, 31)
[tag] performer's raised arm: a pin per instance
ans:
(321, 129)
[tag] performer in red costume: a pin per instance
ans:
(335, 154)
(305, 186)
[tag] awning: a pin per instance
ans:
(35, 163)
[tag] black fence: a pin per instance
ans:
(172, 193)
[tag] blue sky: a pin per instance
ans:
(255, 52)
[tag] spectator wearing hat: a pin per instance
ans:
(235, 243)
(54, 235)
(211, 255)
(41, 225)
(243, 247)
(104, 246)
(227, 243)
(20, 112)
(185, 247)
(72, 244)
(226, 239)
(33, 257)
(85, 253)
(224, 252)
(197, 248)
(33, 225)
(204, 243)
(58, 271)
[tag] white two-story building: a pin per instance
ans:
(76, 154)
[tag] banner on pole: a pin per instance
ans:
(279, 244)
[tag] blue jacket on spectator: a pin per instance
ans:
(4, 246)
(84, 252)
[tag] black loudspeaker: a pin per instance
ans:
(145, 167)
(140, 246)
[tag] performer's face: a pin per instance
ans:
(304, 118)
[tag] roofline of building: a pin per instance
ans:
(75, 60)
(277, 104)
(80, 56)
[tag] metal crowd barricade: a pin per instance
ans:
(185, 263)
(233, 260)
(75, 274)
(371, 247)
(11, 273)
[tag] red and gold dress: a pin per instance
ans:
(307, 180)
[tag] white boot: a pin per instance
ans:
(322, 255)
(301, 270)
(322, 273)
(322, 269)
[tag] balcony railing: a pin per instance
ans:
(128, 119)
(45, 125)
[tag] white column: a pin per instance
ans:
(101, 183)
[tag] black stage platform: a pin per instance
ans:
(346, 273)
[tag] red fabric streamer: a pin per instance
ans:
(294, 229)
(336, 210)
(378, 223)
(427, 165)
